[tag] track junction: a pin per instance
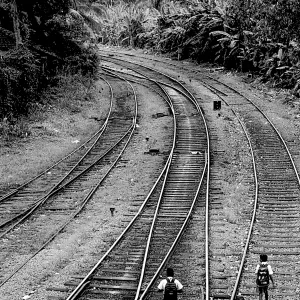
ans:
(180, 221)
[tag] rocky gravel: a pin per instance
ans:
(89, 236)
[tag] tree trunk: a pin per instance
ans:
(16, 23)
(75, 5)
(157, 4)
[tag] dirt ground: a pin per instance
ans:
(54, 132)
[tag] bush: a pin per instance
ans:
(257, 36)
(21, 78)
(86, 63)
(63, 47)
(13, 129)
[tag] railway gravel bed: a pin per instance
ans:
(221, 250)
(276, 180)
(232, 192)
(27, 238)
(146, 243)
(123, 199)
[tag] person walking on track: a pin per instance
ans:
(170, 286)
(263, 275)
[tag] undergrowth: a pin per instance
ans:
(53, 43)
(68, 95)
(256, 36)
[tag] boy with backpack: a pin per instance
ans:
(263, 275)
(170, 286)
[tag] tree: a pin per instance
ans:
(15, 16)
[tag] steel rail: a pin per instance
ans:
(86, 279)
(83, 204)
(158, 204)
(207, 191)
(255, 207)
(24, 215)
(291, 160)
(194, 100)
(256, 180)
(145, 77)
(233, 293)
(13, 192)
(130, 131)
(268, 119)
(77, 291)
(90, 274)
(183, 227)
(27, 213)
(213, 89)
(246, 248)
(108, 58)
(207, 290)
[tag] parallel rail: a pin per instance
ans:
(51, 174)
(61, 207)
(19, 203)
(142, 251)
(275, 219)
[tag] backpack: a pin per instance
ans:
(262, 275)
(170, 290)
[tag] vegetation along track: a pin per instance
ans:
(130, 267)
(274, 225)
(49, 213)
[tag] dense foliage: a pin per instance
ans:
(53, 36)
(257, 36)
(50, 39)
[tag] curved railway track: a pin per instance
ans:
(64, 202)
(51, 174)
(129, 269)
(275, 221)
(276, 216)
(18, 203)
(172, 225)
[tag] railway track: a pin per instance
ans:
(212, 283)
(276, 216)
(133, 263)
(18, 202)
(274, 224)
(48, 177)
(24, 240)
(131, 267)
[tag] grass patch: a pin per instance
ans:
(68, 95)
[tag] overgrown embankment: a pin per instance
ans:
(50, 41)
